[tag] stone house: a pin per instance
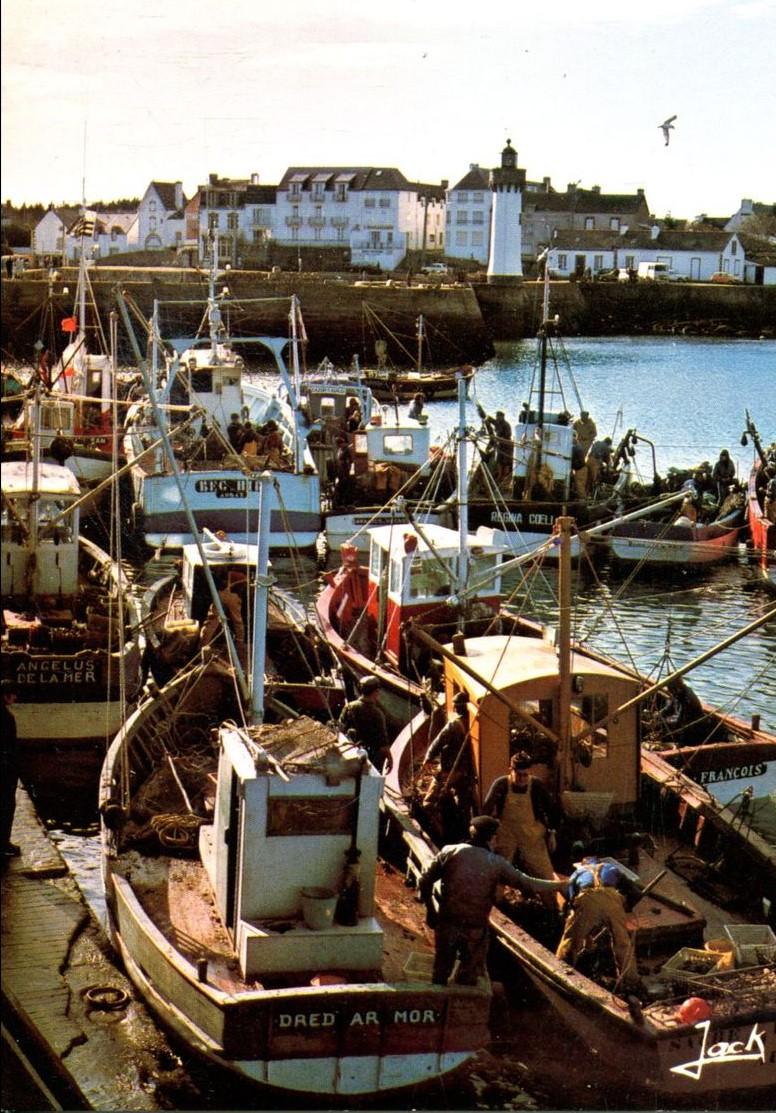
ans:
(547, 213)
(49, 237)
(160, 214)
(693, 254)
(469, 207)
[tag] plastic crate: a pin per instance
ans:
(690, 962)
(755, 944)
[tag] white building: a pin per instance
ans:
(49, 237)
(692, 254)
(161, 216)
(506, 245)
(468, 216)
(374, 211)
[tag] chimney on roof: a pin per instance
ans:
(474, 165)
(640, 191)
(445, 183)
(546, 184)
(747, 208)
(654, 231)
(212, 179)
(178, 195)
(254, 179)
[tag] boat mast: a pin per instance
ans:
(563, 527)
(213, 312)
(260, 596)
(463, 505)
(543, 329)
(421, 335)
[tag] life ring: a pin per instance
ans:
(106, 998)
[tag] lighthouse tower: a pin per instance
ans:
(506, 240)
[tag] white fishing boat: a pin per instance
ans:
(71, 637)
(193, 392)
(762, 531)
(247, 901)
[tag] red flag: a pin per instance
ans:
(70, 324)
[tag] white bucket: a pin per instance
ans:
(318, 907)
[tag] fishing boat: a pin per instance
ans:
(523, 479)
(248, 904)
(390, 382)
(192, 393)
(71, 394)
(762, 531)
(678, 541)
(703, 874)
(71, 638)
(369, 457)
(178, 619)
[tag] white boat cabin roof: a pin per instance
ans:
(53, 479)
(221, 553)
(443, 542)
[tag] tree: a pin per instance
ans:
(761, 224)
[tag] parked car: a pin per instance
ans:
(724, 278)
(435, 268)
(656, 272)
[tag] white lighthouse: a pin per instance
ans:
(506, 240)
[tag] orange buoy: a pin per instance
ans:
(693, 1010)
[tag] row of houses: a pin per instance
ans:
(375, 216)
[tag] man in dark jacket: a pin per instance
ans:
(454, 779)
(363, 718)
(469, 874)
(9, 771)
(529, 819)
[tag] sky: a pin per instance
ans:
(113, 94)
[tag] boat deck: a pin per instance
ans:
(176, 894)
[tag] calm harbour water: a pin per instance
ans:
(689, 397)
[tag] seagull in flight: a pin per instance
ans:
(667, 127)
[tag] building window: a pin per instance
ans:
(294, 232)
(113, 234)
(295, 189)
(341, 192)
(614, 223)
(733, 246)
(598, 262)
(232, 221)
(369, 202)
(463, 197)
(477, 198)
(630, 262)
(316, 233)
(212, 220)
(389, 238)
(385, 202)
(295, 211)
(562, 263)
(340, 234)
(258, 216)
(152, 223)
(178, 238)
(478, 239)
(431, 239)
(589, 223)
(478, 217)
(461, 217)
(461, 239)
(449, 216)
(152, 206)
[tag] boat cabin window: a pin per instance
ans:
(202, 381)
(397, 444)
(50, 529)
(12, 529)
(481, 567)
(56, 416)
(375, 561)
(428, 578)
(585, 711)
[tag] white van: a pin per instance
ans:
(655, 272)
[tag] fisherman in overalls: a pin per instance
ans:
(597, 901)
(529, 818)
(452, 787)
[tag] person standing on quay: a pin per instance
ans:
(9, 770)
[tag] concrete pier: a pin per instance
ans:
(71, 1023)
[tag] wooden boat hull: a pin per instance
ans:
(335, 1035)
(674, 1058)
(656, 545)
(435, 386)
(225, 500)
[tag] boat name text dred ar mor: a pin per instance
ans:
(733, 1051)
(365, 1018)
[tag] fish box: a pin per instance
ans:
(419, 967)
(690, 963)
(755, 944)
